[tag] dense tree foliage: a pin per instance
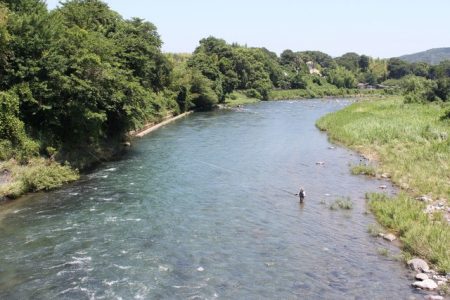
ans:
(78, 78)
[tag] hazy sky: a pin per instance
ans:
(382, 28)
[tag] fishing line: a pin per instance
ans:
(241, 173)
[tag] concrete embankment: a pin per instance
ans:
(154, 126)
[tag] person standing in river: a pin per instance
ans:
(301, 194)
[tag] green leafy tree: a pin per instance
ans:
(398, 68)
(349, 60)
(342, 78)
(364, 62)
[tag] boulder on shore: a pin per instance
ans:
(422, 276)
(427, 284)
(418, 265)
(389, 236)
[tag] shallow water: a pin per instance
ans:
(202, 209)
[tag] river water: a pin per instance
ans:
(203, 209)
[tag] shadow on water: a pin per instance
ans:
(205, 208)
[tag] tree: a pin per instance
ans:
(364, 62)
(202, 94)
(342, 78)
(398, 68)
(349, 60)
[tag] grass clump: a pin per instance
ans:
(342, 203)
(422, 236)
(363, 170)
(374, 230)
(383, 252)
(38, 174)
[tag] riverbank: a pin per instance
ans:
(319, 92)
(43, 174)
(410, 144)
(146, 129)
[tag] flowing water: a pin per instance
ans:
(204, 208)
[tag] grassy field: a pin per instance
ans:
(411, 143)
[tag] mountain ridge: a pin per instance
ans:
(432, 56)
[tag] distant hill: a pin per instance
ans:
(432, 56)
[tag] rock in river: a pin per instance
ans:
(427, 284)
(422, 276)
(389, 236)
(418, 264)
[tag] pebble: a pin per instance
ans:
(422, 276)
(427, 284)
(418, 264)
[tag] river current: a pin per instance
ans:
(202, 209)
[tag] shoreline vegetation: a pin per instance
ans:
(410, 145)
(43, 174)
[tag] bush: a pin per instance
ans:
(44, 175)
(363, 170)
(342, 203)
(14, 141)
(252, 93)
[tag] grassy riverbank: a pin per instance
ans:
(317, 91)
(239, 98)
(38, 174)
(410, 142)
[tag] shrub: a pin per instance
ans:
(342, 203)
(363, 170)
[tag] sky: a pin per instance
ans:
(382, 28)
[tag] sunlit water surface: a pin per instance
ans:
(202, 209)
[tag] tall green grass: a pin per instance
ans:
(421, 235)
(411, 143)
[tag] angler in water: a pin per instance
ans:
(301, 194)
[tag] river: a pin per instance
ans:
(204, 208)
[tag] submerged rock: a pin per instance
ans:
(418, 264)
(427, 284)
